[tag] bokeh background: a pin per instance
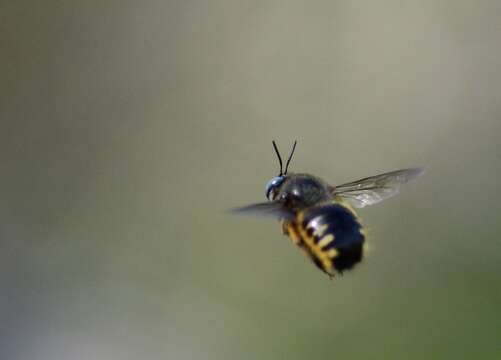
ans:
(128, 128)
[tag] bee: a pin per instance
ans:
(319, 218)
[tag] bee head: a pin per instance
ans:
(273, 186)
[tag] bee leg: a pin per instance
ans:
(285, 231)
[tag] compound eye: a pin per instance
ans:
(273, 186)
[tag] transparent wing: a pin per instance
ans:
(274, 209)
(375, 189)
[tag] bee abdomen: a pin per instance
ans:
(331, 235)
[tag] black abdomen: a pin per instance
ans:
(331, 235)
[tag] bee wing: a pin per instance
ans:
(374, 189)
(274, 209)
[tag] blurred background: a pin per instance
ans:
(128, 128)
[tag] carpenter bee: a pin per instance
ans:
(319, 217)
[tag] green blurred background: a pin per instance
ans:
(128, 128)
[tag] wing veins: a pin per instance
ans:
(374, 189)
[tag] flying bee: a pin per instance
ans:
(319, 217)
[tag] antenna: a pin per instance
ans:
(290, 157)
(279, 158)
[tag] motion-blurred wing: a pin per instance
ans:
(375, 189)
(274, 209)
